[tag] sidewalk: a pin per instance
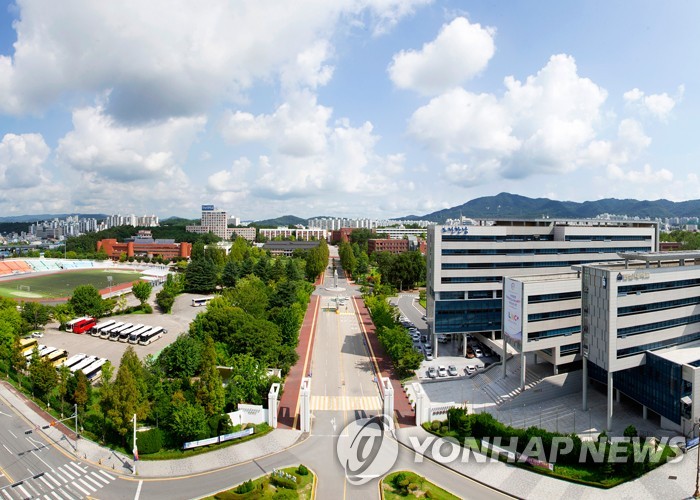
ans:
(405, 414)
(118, 463)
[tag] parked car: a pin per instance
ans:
(442, 371)
(452, 370)
(432, 372)
(37, 335)
(443, 339)
(470, 369)
(424, 317)
(478, 353)
(423, 338)
(428, 356)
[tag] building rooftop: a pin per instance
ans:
(685, 354)
(661, 256)
(547, 277)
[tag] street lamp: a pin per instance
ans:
(697, 470)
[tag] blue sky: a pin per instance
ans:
(376, 108)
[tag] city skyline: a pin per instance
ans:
(343, 109)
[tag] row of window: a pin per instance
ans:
(655, 287)
(516, 265)
(629, 351)
(483, 237)
(471, 279)
(551, 297)
(543, 316)
(633, 237)
(570, 348)
(540, 251)
(467, 316)
(545, 334)
(657, 306)
(659, 325)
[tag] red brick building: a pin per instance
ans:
(167, 249)
(387, 245)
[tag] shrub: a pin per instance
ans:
(282, 482)
(302, 470)
(246, 487)
(284, 494)
(630, 431)
(412, 486)
(150, 441)
(147, 308)
(444, 429)
(435, 425)
(398, 479)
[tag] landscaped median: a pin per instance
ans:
(604, 463)
(290, 483)
(404, 484)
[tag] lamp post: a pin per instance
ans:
(697, 469)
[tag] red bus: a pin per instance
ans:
(84, 325)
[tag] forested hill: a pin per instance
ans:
(505, 205)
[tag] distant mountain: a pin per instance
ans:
(40, 217)
(506, 205)
(285, 220)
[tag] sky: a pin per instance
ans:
(355, 108)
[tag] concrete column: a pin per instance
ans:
(609, 413)
(644, 412)
(523, 368)
(556, 370)
(584, 385)
(305, 405)
(388, 390)
(504, 356)
(420, 404)
(464, 344)
(617, 395)
(433, 338)
(272, 400)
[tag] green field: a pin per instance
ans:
(62, 284)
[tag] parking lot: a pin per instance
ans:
(177, 322)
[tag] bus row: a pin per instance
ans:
(127, 332)
(56, 356)
(81, 325)
(91, 366)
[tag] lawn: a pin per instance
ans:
(411, 485)
(62, 284)
(262, 487)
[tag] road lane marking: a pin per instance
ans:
(70, 476)
(86, 493)
(99, 477)
(51, 486)
(42, 460)
(52, 479)
(105, 474)
(57, 495)
(26, 493)
(13, 434)
(138, 490)
(8, 450)
(87, 485)
(7, 495)
(87, 476)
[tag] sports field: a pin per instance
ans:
(62, 284)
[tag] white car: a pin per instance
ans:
(452, 370)
(428, 356)
(37, 335)
(428, 349)
(470, 369)
(432, 372)
(442, 371)
(478, 353)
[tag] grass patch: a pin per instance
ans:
(262, 487)
(423, 303)
(62, 284)
(402, 484)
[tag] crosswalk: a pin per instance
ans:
(67, 482)
(345, 403)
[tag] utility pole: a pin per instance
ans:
(136, 450)
(75, 413)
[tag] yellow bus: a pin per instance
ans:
(57, 357)
(28, 344)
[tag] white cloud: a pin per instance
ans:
(22, 160)
(547, 124)
(100, 145)
(166, 58)
(644, 176)
(460, 51)
(657, 105)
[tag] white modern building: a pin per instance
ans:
(640, 325)
(466, 265)
(214, 220)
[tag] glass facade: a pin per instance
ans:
(657, 306)
(655, 287)
(659, 325)
(540, 251)
(550, 297)
(574, 237)
(629, 351)
(553, 315)
(457, 316)
(558, 332)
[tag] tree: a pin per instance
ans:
(230, 274)
(200, 276)
(126, 401)
(63, 313)
(250, 294)
(197, 252)
(188, 422)
(165, 300)
(293, 271)
(210, 389)
(81, 395)
(63, 375)
(142, 291)
(248, 382)
(315, 263)
(347, 258)
(106, 394)
(87, 301)
(182, 358)
(42, 375)
(35, 314)
(239, 250)
(362, 266)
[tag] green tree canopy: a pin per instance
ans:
(200, 276)
(35, 314)
(87, 301)
(142, 291)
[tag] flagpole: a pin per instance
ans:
(136, 450)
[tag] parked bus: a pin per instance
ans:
(114, 334)
(28, 344)
(94, 370)
(153, 334)
(134, 336)
(46, 350)
(124, 334)
(107, 331)
(58, 356)
(201, 301)
(95, 332)
(73, 322)
(74, 359)
(86, 361)
(28, 352)
(84, 326)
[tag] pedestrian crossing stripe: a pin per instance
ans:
(54, 485)
(345, 403)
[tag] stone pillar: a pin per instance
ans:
(464, 344)
(272, 402)
(420, 404)
(609, 411)
(584, 384)
(305, 405)
(388, 391)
